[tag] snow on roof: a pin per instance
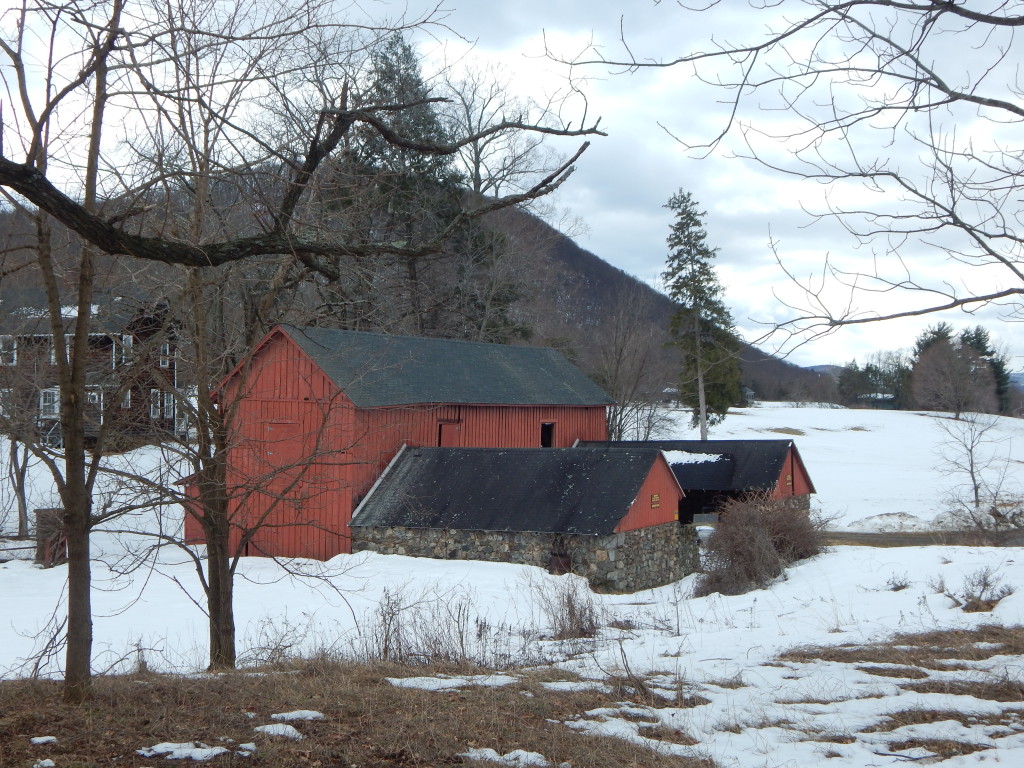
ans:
(685, 457)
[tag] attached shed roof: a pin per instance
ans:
(542, 490)
(741, 465)
(376, 370)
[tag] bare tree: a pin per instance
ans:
(974, 453)
(479, 98)
(876, 104)
(949, 376)
(630, 360)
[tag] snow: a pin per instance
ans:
(448, 682)
(283, 730)
(190, 750)
(298, 714)
(873, 471)
(684, 457)
(518, 757)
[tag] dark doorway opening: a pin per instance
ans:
(547, 434)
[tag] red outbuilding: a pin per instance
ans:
(316, 414)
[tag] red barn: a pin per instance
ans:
(316, 414)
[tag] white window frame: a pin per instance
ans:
(69, 343)
(6, 397)
(94, 397)
(8, 350)
(155, 401)
(165, 355)
(126, 399)
(49, 403)
(121, 349)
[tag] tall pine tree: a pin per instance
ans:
(702, 327)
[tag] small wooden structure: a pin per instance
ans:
(609, 514)
(710, 471)
(51, 541)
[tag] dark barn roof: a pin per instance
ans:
(379, 370)
(542, 490)
(743, 465)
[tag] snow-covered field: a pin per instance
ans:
(876, 470)
(759, 712)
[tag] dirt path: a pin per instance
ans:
(924, 538)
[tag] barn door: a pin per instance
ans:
(449, 434)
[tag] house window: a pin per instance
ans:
(126, 400)
(155, 396)
(49, 403)
(121, 350)
(94, 399)
(8, 350)
(69, 345)
(6, 397)
(165, 355)
(547, 434)
(168, 405)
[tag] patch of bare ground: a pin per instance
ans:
(943, 748)
(666, 733)
(909, 656)
(989, 690)
(368, 722)
(894, 671)
(1009, 718)
(936, 650)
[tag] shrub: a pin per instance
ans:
(756, 538)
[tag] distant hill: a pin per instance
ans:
(572, 292)
(1017, 380)
(830, 370)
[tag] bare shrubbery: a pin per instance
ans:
(567, 606)
(981, 592)
(756, 538)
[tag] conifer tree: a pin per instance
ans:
(702, 327)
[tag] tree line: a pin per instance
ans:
(948, 371)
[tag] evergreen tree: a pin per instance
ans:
(702, 327)
(978, 339)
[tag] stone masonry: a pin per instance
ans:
(620, 562)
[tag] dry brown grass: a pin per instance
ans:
(988, 690)
(886, 670)
(910, 656)
(944, 748)
(368, 722)
(665, 733)
(1010, 718)
(936, 650)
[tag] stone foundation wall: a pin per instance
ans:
(621, 562)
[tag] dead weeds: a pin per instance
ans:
(936, 650)
(943, 748)
(368, 722)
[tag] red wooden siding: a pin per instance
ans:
(657, 501)
(793, 480)
(302, 455)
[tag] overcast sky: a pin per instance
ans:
(624, 179)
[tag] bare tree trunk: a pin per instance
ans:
(219, 583)
(17, 470)
(702, 403)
